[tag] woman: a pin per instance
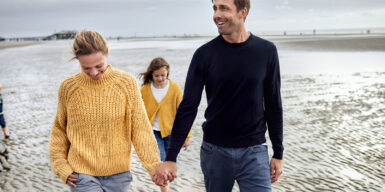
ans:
(161, 97)
(100, 113)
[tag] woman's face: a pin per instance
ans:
(93, 64)
(160, 77)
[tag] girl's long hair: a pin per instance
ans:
(155, 64)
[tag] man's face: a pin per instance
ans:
(93, 64)
(226, 16)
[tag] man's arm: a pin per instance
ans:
(273, 113)
(184, 119)
(188, 108)
(178, 101)
(273, 104)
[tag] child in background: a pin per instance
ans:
(161, 98)
(2, 120)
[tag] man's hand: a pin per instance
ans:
(164, 173)
(71, 180)
(186, 144)
(275, 169)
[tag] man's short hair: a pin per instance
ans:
(241, 4)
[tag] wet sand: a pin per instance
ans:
(333, 124)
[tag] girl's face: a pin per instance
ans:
(160, 77)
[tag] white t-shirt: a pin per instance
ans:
(159, 95)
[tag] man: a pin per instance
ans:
(240, 73)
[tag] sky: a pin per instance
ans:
(28, 18)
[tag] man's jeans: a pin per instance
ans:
(248, 166)
(113, 183)
(162, 144)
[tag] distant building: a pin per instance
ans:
(2, 39)
(61, 35)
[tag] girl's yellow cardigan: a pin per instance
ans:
(166, 109)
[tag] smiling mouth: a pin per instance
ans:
(220, 23)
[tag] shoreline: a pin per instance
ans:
(10, 44)
(331, 43)
(324, 42)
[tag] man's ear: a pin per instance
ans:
(244, 12)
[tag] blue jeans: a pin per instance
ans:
(162, 144)
(2, 121)
(119, 182)
(248, 166)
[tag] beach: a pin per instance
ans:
(333, 94)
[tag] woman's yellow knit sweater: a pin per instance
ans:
(166, 109)
(95, 124)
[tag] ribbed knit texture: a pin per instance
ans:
(166, 109)
(95, 124)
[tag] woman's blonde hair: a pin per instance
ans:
(87, 42)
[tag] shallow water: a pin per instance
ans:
(334, 120)
(327, 62)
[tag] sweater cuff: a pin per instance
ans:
(172, 155)
(64, 173)
(278, 155)
(151, 168)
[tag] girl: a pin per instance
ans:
(161, 98)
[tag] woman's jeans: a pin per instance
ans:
(113, 183)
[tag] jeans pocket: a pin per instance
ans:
(80, 179)
(258, 148)
(129, 176)
(207, 148)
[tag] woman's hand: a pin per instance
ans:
(71, 180)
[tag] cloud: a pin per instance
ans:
(157, 17)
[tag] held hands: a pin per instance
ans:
(71, 180)
(275, 169)
(164, 173)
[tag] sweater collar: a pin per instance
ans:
(236, 44)
(107, 78)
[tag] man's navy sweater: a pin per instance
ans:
(242, 83)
